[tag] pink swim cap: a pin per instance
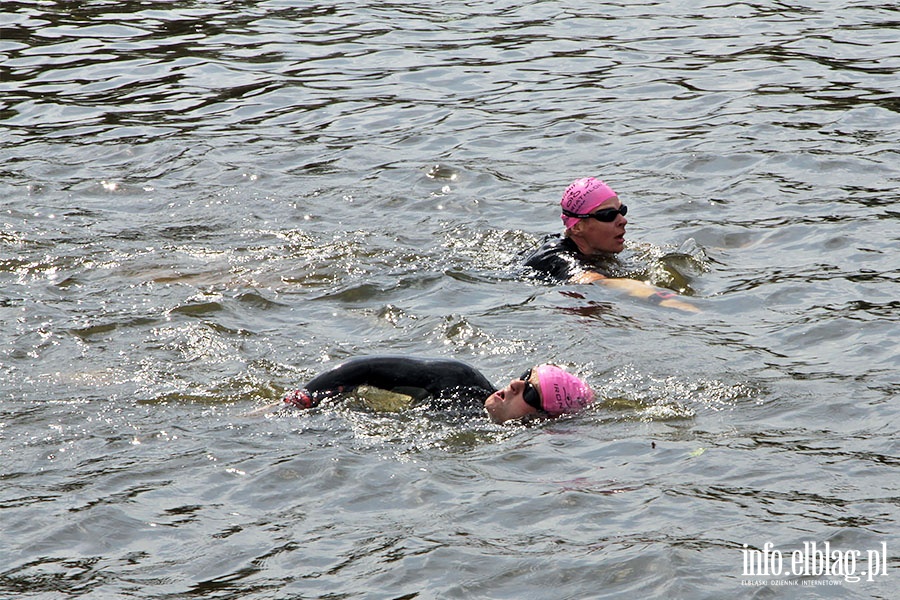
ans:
(583, 196)
(562, 392)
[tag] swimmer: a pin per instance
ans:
(594, 221)
(544, 390)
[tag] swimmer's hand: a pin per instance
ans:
(638, 289)
(672, 303)
(295, 398)
(299, 399)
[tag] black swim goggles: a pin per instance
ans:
(530, 394)
(607, 215)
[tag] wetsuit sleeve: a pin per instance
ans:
(435, 377)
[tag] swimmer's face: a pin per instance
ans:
(593, 236)
(509, 403)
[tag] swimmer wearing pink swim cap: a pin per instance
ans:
(594, 222)
(594, 231)
(544, 389)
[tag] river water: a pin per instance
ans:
(207, 203)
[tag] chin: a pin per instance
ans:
(496, 418)
(492, 409)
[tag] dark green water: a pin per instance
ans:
(206, 203)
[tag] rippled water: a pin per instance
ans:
(206, 203)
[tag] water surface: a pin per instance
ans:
(207, 203)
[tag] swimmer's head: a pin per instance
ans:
(583, 196)
(562, 392)
(543, 389)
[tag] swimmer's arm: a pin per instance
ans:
(384, 372)
(638, 289)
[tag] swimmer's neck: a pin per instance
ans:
(589, 252)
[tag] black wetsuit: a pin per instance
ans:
(558, 260)
(444, 382)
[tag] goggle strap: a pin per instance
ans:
(575, 215)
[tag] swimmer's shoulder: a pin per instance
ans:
(555, 260)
